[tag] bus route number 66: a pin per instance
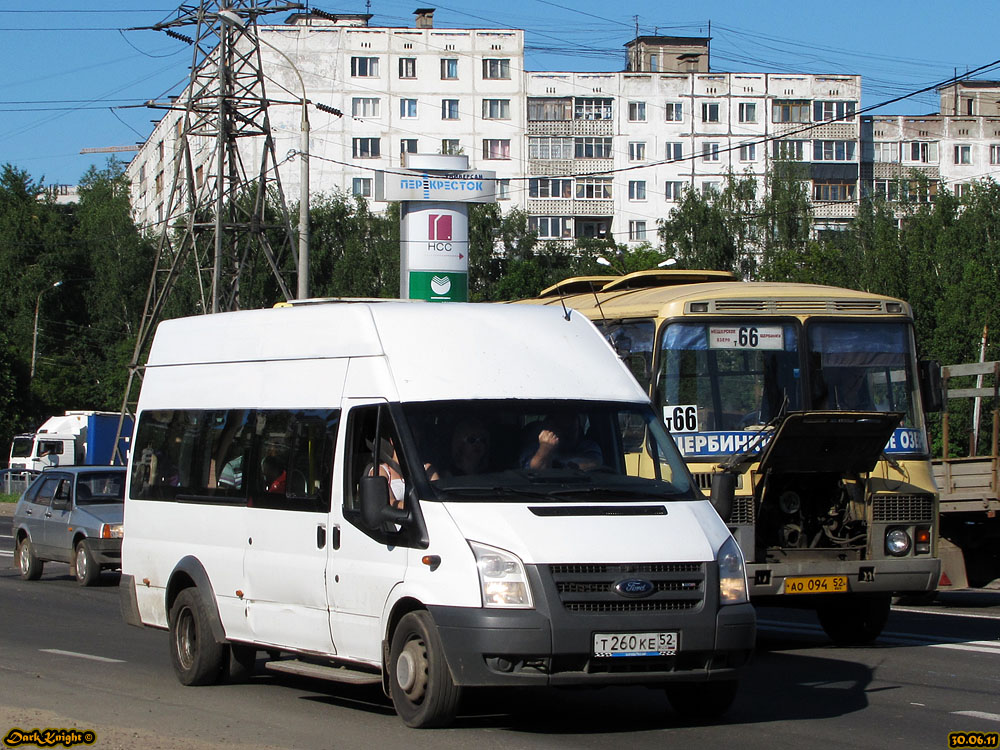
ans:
(681, 418)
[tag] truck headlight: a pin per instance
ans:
(111, 531)
(732, 573)
(897, 542)
(501, 578)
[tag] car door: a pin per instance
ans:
(37, 512)
(58, 522)
(363, 568)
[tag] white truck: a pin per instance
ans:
(76, 438)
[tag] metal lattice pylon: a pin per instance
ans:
(214, 217)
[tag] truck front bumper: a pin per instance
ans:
(886, 576)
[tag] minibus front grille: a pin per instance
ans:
(590, 588)
(913, 508)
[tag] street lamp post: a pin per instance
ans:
(302, 291)
(34, 336)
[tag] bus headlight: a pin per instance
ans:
(501, 578)
(897, 542)
(732, 573)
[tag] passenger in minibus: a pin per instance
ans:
(560, 444)
(470, 448)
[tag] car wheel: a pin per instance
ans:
(698, 703)
(197, 658)
(28, 562)
(86, 569)
(420, 684)
(856, 621)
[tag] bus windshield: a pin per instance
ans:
(557, 450)
(720, 380)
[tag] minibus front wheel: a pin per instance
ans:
(420, 683)
(197, 658)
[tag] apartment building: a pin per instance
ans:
(584, 154)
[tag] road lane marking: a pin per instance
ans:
(4, 553)
(896, 639)
(78, 655)
(977, 715)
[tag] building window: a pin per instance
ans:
(919, 191)
(824, 111)
(637, 190)
(585, 228)
(365, 107)
(748, 152)
(496, 148)
(673, 189)
(637, 151)
(790, 110)
(451, 146)
(496, 69)
(995, 153)
(496, 109)
(886, 189)
(364, 67)
(551, 227)
(637, 111)
(710, 112)
(834, 191)
(887, 153)
(199, 175)
(362, 186)
(142, 173)
(408, 146)
(407, 108)
(449, 109)
(158, 182)
(592, 148)
(550, 110)
(748, 112)
(547, 187)
(788, 150)
(503, 189)
(449, 68)
(675, 151)
(711, 187)
(963, 154)
(636, 231)
(653, 64)
(553, 147)
(710, 152)
(593, 188)
(592, 109)
(367, 148)
(833, 150)
(924, 152)
(675, 111)
(407, 67)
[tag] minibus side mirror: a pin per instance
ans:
(723, 492)
(931, 390)
(375, 507)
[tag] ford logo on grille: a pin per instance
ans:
(634, 588)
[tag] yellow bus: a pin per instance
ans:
(809, 398)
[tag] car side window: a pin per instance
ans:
(47, 490)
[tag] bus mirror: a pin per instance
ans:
(723, 492)
(931, 391)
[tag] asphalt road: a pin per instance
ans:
(68, 661)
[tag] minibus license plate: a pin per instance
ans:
(815, 584)
(635, 644)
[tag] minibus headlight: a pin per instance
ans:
(732, 574)
(897, 542)
(111, 531)
(501, 578)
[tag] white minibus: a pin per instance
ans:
(430, 497)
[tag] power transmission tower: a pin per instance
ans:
(215, 215)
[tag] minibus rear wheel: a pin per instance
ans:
(197, 658)
(422, 690)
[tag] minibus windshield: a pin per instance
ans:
(546, 449)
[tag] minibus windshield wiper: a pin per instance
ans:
(653, 493)
(479, 490)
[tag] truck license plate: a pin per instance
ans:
(815, 584)
(635, 644)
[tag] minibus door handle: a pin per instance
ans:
(320, 536)
(335, 536)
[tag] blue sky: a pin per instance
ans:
(74, 77)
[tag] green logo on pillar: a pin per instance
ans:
(439, 286)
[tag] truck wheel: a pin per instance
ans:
(702, 702)
(197, 658)
(856, 621)
(28, 562)
(419, 681)
(86, 569)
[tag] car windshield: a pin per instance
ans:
(100, 488)
(555, 450)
